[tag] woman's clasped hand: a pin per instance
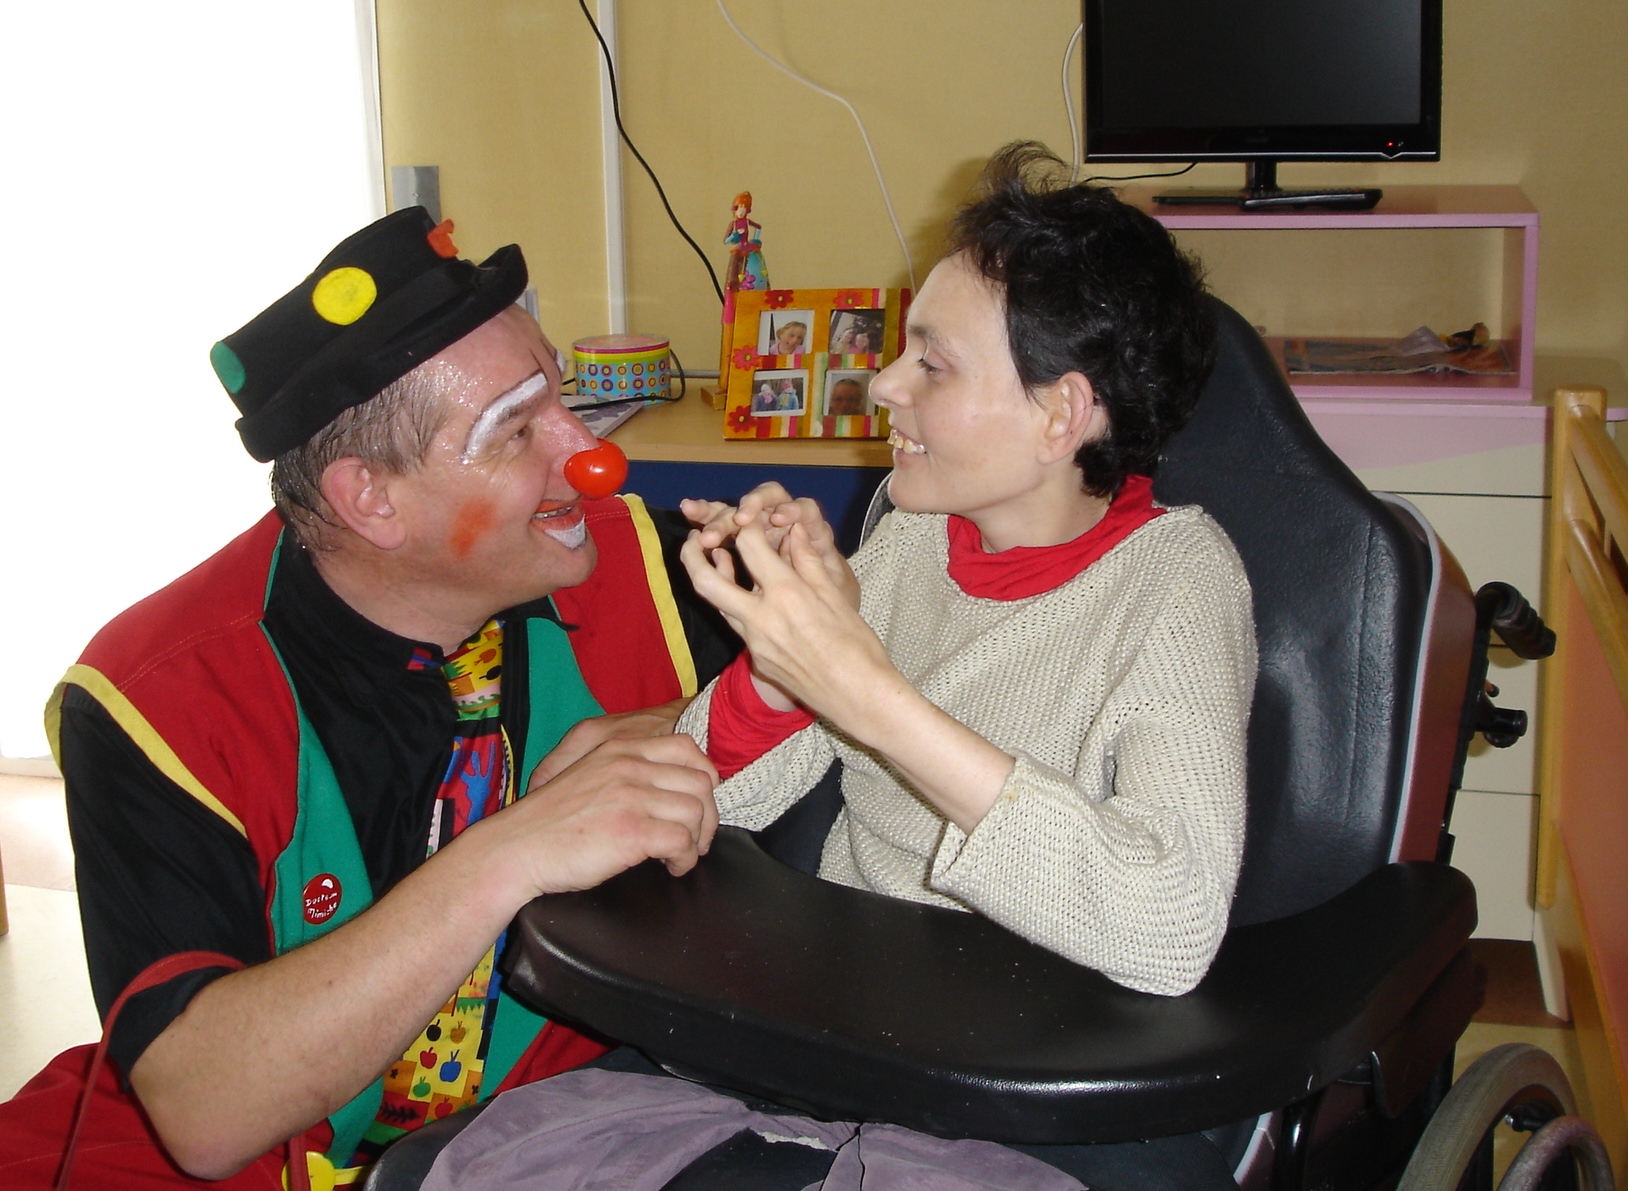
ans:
(800, 619)
(809, 646)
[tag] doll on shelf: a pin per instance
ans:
(745, 240)
(745, 272)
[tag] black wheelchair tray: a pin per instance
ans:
(850, 1005)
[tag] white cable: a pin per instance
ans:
(610, 156)
(887, 201)
(1074, 145)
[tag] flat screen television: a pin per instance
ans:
(1262, 81)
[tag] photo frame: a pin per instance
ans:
(840, 340)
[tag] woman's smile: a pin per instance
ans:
(905, 444)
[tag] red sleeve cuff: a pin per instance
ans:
(741, 727)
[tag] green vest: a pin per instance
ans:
(324, 841)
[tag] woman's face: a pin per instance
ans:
(966, 435)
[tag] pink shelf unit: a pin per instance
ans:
(1371, 434)
(1407, 206)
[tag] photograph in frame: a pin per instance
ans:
(785, 332)
(779, 392)
(848, 393)
(857, 332)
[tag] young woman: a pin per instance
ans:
(1037, 679)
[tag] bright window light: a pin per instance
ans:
(171, 168)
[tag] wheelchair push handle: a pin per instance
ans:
(1500, 609)
(1507, 613)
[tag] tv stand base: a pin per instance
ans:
(1323, 198)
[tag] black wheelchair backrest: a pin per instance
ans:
(1341, 588)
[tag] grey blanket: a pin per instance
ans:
(601, 1130)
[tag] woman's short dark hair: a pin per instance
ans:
(1092, 285)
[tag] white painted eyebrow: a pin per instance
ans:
(504, 407)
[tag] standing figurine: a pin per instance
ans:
(746, 271)
(745, 240)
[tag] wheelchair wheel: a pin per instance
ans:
(1534, 1167)
(1516, 1081)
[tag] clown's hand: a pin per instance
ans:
(589, 734)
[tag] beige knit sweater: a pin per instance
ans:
(1124, 695)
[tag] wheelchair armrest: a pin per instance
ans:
(847, 1004)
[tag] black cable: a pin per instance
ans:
(683, 377)
(616, 110)
(576, 409)
(1138, 177)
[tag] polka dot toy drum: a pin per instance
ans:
(617, 367)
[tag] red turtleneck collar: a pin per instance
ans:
(1025, 571)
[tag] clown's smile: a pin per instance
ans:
(563, 521)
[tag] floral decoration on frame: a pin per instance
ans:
(801, 361)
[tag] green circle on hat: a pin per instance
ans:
(227, 367)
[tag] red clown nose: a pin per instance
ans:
(597, 473)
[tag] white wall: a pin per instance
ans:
(172, 167)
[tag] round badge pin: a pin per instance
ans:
(320, 899)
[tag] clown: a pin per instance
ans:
(335, 758)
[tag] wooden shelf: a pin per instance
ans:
(1505, 207)
(691, 431)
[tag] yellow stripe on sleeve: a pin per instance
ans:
(661, 590)
(135, 725)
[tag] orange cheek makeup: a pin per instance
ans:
(474, 522)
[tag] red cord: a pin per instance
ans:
(160, 972)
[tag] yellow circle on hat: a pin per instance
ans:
(344, 295)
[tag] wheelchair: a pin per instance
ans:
(1316, 1053)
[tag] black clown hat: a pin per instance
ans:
(387, 299)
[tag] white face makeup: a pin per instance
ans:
(573, 536)
(494, 416)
